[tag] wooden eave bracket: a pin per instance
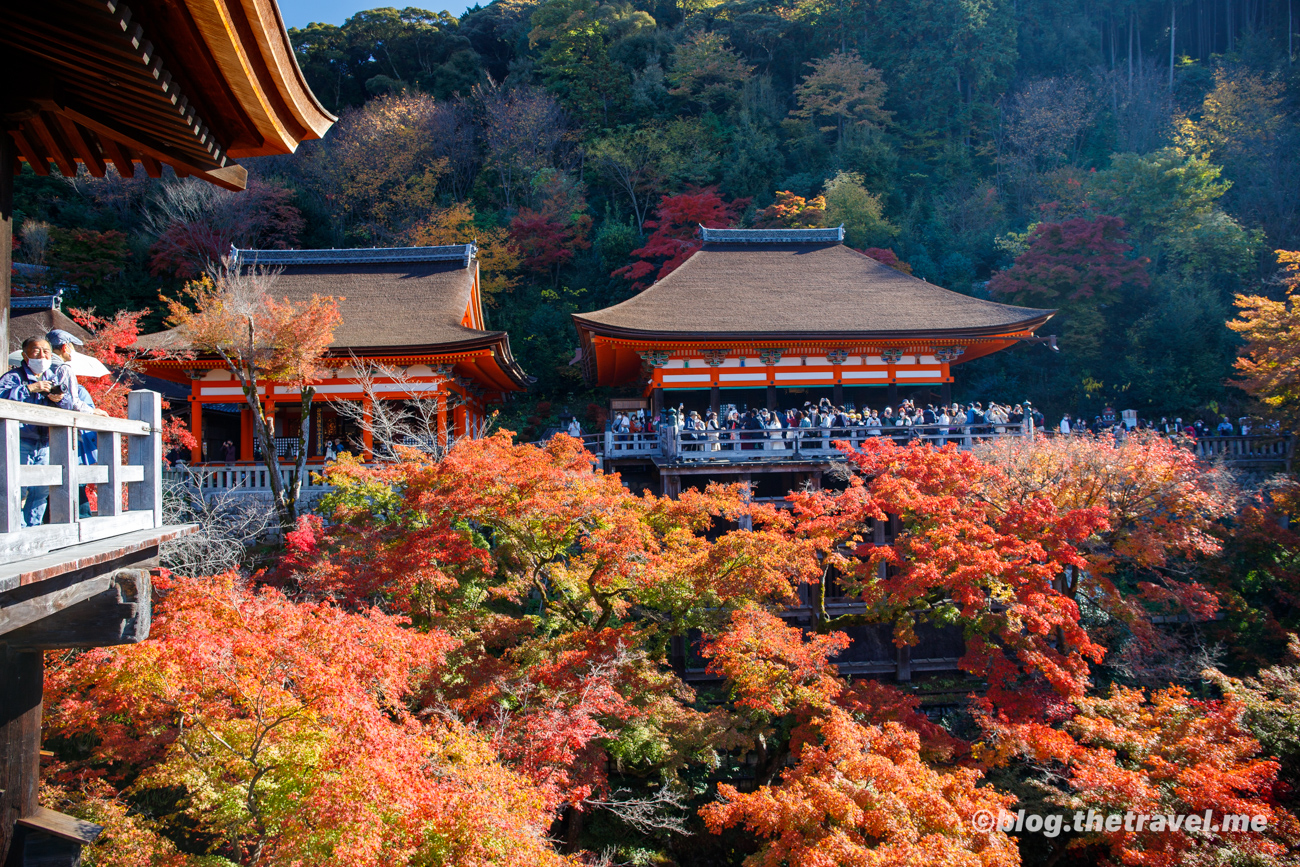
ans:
(62, 825)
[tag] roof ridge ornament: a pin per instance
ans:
(772, 236)
(466, 253)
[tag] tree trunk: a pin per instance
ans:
(304, 438)
(269, 458)
(1173, 39)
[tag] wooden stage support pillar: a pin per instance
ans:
(21, 678)
(945, 393)
(771, 397)
(715, 402)
(893, 395)
(837, 394)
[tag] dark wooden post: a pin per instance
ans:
(657, 401)
(21, 677)
(893, 395)
(945, 393)
(771, 397)
(837, 394)
(715, 402)
(7, 158)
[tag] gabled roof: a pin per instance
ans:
(799, 284)
(25, 322)
(191, 84)
(393, 301)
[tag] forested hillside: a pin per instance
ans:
(1132, 164)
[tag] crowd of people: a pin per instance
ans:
(815, 425)
(1109, 422)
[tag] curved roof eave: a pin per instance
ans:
(985, 332)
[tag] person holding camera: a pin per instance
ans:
(35, 381)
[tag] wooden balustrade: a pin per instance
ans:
(129, 494)
(815, 443)
(241, 478)
(1241, 450)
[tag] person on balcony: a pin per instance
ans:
(772, 421)
(61, 343)
(575, 428)
(35, 382)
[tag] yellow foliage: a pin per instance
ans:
(1270, 361)
(497, 258)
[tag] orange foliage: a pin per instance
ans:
(1166, 754)
(960, 558)
(861, 794)
(792, 212)
(290, 728)
(1270, 362)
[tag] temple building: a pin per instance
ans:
(774, 318)
(416, 310)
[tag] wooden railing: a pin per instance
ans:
(1238, 450)
(816, 443)
(623, 445)
(129, 493)
(242, 478)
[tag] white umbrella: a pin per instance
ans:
(87, 366)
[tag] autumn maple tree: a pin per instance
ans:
(486, 652)
(860, 789)
(263, 342)
(290, 729)
(676, 229)
(1077, 266)
(792, 212)
(113, 341)
(1167, 755)
(1270, 361)
(957, 559)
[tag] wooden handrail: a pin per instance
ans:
(130, 490)
(48, 416)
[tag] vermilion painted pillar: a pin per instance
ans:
(442, 419)
(196, 428)
(246, 435)
(459, 415)
(367, 434)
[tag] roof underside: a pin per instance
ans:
(191, 84)
(800, 291)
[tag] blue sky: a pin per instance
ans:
(300, 13)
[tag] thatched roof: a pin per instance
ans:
(405, 300)
(798, 284)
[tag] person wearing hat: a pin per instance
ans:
(61, 343)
